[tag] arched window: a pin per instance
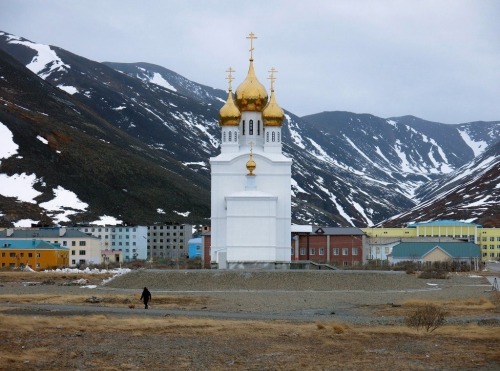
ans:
(224, 136)
(273, 135)
(250, 127)
(267, 137)
(278, 137)
(258, 127)
(230, 136)
(235, 136)
(243, 127)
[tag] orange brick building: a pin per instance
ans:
(36, 254)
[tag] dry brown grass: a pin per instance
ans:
(185, 343)
(453, 308)
(20, 276)
(109, 299)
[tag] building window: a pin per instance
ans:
(81, 252)
(73, 262)
(293, 250)
(73, 252)
(492, 247)
(336, 251)
(82, 243)
(492, 254)
(243, 126)
(250, 127)
(484, 238)
(345, 251)
(267, 137)
(224, 136)
(12, 254)
(278, 137)
(37, 254)
(302, 251)
(30, 255)
(73, 243)
(321, 251)
(354, 251)
(81, 261)
(492, 238)
(312, 251)
(230, 136)
(273, 136)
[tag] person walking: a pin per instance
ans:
(145, 297)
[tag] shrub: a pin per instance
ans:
(434, 273)
(428, 317)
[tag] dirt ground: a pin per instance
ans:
(49, 323)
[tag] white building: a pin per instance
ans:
(251, 180)
(131, 241)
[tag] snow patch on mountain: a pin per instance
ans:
(45, 62)
(64, 204)
(477, 146)
(159, 80)
(19, 186)
(68, 89)
(8, 147)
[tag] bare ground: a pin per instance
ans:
(246, 320)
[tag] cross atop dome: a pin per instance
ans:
(252, 37)
(230, 77)
(271, 77)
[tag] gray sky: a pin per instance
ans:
(438, 60)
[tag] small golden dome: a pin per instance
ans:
(251, 95)
(273, 115)
(251, 165)
(229, 114)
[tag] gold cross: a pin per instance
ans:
(271, 77)
(251, 36)
(230, 77)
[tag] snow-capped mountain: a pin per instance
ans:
(471, 192)
(349, 169)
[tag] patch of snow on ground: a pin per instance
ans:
(68, 89)
(159, 80)
(42, 139)
(25, 223)
(296, 137)
(184, 214)
(119, 108)
(160, 211)
(63, 201)
(405, 165)
(106, 220)
(7, 145)
(297, 188)
(360, 209)
(19, 186)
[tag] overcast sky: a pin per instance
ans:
(438, 60)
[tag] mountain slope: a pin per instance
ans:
(62, 144)
(470, 193)
(349, 169)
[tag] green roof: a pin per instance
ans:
(444, 223)
(416, 250)
(30, 245)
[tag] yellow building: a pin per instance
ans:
(445, 230)
(36, 254)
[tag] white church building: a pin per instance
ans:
(251, 180)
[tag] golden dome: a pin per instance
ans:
(251, 165)
(229, 114)
(273, 115)
(251, 95)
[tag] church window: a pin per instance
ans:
(243, 127)
(250, 127)
(267, 137)
(235, 136)
(230, 136)
(258, 127)
(278, 137)
(273, 136)
(224, 136)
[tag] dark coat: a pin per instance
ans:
(146, 295)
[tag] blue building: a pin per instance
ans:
(195, 248)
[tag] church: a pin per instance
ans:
(251, 180)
